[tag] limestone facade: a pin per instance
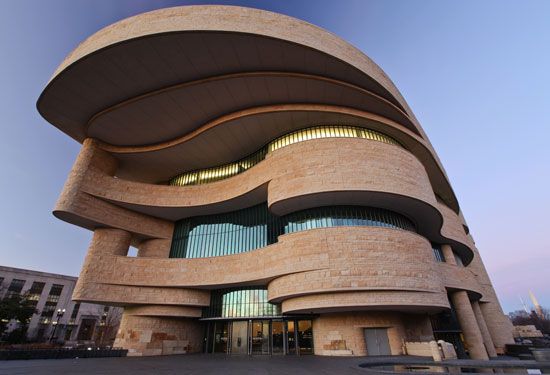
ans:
(345, 279)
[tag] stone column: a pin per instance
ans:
(90, 159)
(468, 323)
(487, 340)
(110, 241)
(448, 254)
(154, 248)
(106, 243)
(499, 325)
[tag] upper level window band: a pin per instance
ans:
(255, 227)
(207, 175)
(240, 302)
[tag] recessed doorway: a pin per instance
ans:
(278, 337)
(260, 336)
(239, 338)
(377, 341)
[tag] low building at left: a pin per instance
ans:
(57, 319)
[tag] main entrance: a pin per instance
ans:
(259, 336)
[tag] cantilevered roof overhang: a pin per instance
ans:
(154, 78)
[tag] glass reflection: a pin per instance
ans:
(240, 303)
(305, 336)
(207, 175)
(255, 227)
(438, 253)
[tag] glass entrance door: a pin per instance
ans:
(290, 337)
(239, 337)
(277, 337)
(259, 336)
(305, 337)
(221, 334)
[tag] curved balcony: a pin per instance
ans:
(255, 227)
(207, 175)
(299, 176)
(312, 262)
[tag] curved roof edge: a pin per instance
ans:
(228, 18)
(236, 19)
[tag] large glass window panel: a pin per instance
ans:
(255, 227)
(240, 303)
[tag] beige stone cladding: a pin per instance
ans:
(231, 19)
(309, 262)
(345, 331)
(333, 171)
(199, 110)
(468, 323)
(108, 275)
(362, 258)
(145, 336)
(78, 207)
(499, 325)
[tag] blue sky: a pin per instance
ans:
(476, 74)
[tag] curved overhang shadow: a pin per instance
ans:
(96, 65)
(161, 116)
(258, 126)
(248, 199)
(427, 218)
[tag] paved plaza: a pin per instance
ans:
(188, 364)
(245, 365)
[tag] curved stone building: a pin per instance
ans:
(281, 194)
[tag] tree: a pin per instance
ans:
(108, 327)
(19, 308)
(522, 318)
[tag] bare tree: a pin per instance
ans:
(522, 318)
(108, 326)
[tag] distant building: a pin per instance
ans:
(527, 331)
(79, 323)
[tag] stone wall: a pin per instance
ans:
(144, 336)
(333, 332)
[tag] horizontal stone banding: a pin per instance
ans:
(317, 132)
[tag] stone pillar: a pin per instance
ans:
(499, 325)
(90, 159)
(448, 254)
(487, 340)
(106, 242)
(468, 323)
(154, 248)
(110, 241)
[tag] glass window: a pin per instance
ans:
(35, 291)
(15, 288)
(255, 227)
(438, 253)
(238, 303)
(207, 175)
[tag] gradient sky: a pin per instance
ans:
(476, 74)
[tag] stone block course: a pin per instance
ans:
(347, 278)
